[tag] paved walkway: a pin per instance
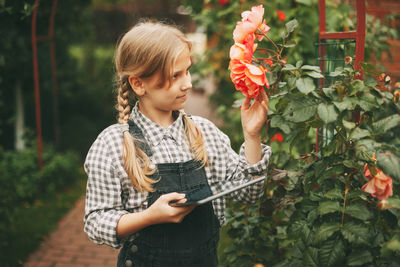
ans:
(68, 246)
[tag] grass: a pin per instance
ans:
(33, 223)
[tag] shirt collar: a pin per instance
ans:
(154, 133)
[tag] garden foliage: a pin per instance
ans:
(24, 186)
(314, 212)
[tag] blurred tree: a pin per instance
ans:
(85, 37)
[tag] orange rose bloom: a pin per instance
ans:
(380, 185)
(263, 28)
(245, 50)
(247, 78)
(251, 21)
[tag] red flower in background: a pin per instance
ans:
(277, 137)
(281, 14)
(223, 2)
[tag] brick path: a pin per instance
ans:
(68, 246)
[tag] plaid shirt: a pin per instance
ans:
(110, 194)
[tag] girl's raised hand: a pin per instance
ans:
(254, 116)
(162, 212)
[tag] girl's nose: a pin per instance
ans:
(187, 83)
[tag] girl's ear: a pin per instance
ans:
(136, 85)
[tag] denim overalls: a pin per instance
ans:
(194, 241)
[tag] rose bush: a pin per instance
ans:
(314, 211)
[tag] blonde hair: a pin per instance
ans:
(146, 49)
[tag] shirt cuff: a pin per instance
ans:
(102, 227)
(259, 168)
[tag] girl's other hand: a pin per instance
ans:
(161, 211)
(254, 116)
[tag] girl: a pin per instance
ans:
(157, 154)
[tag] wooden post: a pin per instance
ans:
(56, 120)
(358, 35)
(36, 88)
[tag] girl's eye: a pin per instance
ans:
(175, 76)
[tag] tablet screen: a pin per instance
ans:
(204, 195)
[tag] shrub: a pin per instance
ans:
(22, 184)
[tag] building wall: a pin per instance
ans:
(381, 8)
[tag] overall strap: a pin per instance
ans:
(138, 136)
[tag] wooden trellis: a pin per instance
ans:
(35, 39)
(357, 37)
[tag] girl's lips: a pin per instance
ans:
(181, 97)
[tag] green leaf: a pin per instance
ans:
(335, 193)
(305, 2)
(291, 43)
(348, 124)
(271, 77)
(394, 203)
(393, 244)
(359, 257)
(301, 231)
(282, 84)
(350, 164)
(300, 110)
(289, 67)
(309, 67)
(336, 73)
(325, 231)
(291, 82)
(299, 63)
(279, 122)
(332, 171)
(291, 25)
(332, 253)
(320, 167)
(330, 92)
(358, 211)
(356, 194)
(359, 133)
(327, 113)
(314, 74)
(355, 233)
(328, 207)
(355, 87)
(311, 257)
(390, 164)
(367, 145)
(347, 103)
(305, 85)
(384, 125)
(367, 102)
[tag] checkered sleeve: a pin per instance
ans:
(240, 171)
(103, 207)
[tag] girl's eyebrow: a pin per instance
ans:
(179, 71)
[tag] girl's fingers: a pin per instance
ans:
(263, 98)
(172, 196)
(246, 103)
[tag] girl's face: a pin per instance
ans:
(156, 100)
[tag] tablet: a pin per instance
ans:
(217, 195)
